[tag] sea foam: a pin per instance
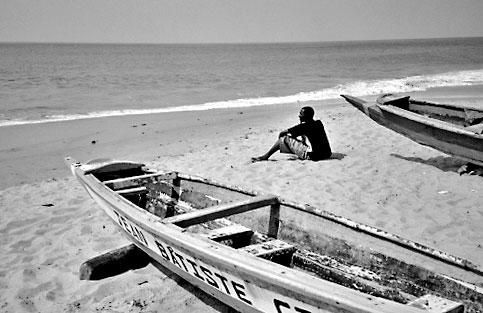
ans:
(356, 88)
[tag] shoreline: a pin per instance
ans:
(35, 152)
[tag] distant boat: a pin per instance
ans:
(260, 253)
(454, 130)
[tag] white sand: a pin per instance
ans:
(378, 177)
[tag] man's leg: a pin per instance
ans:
(285, 145)
(294, 146)
(273, 149)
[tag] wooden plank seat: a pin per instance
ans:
(219, 211)
(198, 200)
(131, 181)
(276, 250)
(136, 195)
(132, 191)
(234, 235)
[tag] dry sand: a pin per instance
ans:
(49, 225)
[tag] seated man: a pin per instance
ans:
(319, 148)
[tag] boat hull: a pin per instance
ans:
(176, 259)
(239, 279)
(442, 136)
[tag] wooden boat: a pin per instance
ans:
(260, 253)
(454, 130)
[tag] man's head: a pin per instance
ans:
(306, 114)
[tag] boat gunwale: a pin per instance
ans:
(432, 122)
(366, 105)
(376, 112)
(145, 216)
(293, 281)
(456, 107)
(346, 222)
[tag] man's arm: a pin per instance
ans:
(295, 131)
(283, 133)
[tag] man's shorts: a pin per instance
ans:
(293, 146)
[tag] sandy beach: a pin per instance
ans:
(49, 225)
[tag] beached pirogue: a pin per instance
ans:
(260, 253)
(455, 130)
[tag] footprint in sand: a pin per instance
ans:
(27, 259)
(21, 245)
(11, 226)
(29, 274)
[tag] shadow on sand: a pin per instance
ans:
(337, 156)
(118, 261)
(446, 164)
(334, 156)
(198, 293)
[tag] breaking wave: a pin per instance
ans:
(357, 88)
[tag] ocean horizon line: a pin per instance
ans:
(237, 43)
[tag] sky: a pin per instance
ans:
(236, 21)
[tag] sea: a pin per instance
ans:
(43, 83)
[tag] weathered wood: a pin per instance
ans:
(435, 304)
(277, 251)
(129, 181)
(477, 128)
(268, 248)
(454, 114)
(391, 99)
(213, 183)
(274, 222)
(160, 201)
(445, 136)
(373, 231)
(246, 276)
(331, 269)
(176, 190)
(198, 200)
(131, 191)
(465, 115)
(398, 240)
(162, 176)
(114, 262)
(106, 165)
(237, 235)
(414, 117)
(222, 210)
